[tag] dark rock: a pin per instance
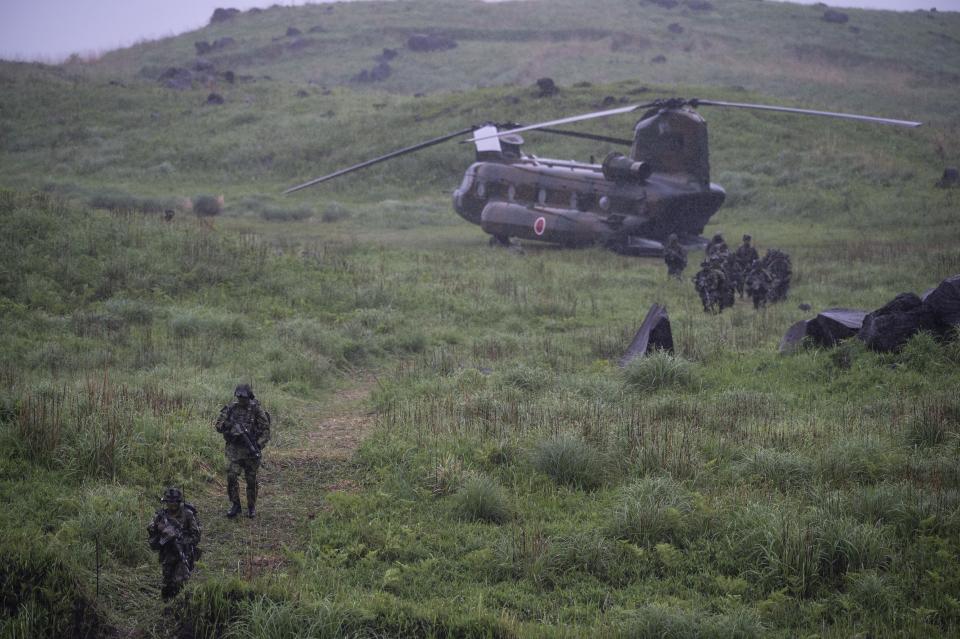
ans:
(944, 303)
(793, 338)
(430, 42)
(316, 29)
(834, 324)
(177, 78)
(387, 55)
(699, 5)
(223, 43)
(202, 47)
(888, 328)
(203, 65)
(378, 73)
(229, 77)
(214, 98)
(835, 17)
(302, 93)
(666, 4)
(654, 334)
(547, 87)
(223, 15)
(608, 100)
(950, 178)
(674, 27)
(660, 59)
(293, 32)
(803, 306)
(853, 30)
(300, 44)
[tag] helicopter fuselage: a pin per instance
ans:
(576, 204)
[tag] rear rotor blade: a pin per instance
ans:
(382, 158)
(588, 136)
(829, 114)
(569, 120)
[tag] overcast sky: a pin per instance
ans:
(50, 30)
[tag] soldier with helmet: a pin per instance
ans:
(175, 535)
(245, 427)
(675, 256)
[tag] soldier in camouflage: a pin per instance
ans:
(717, 247)
(743, 259)
(675, 256)
(245, 427)
(713, 285)
(175, 535)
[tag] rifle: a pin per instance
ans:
(249, 441)
(237, 430)
(170, 532)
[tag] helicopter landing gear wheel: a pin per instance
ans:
(499, 240)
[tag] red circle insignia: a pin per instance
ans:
(540, 225)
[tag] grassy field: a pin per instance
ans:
(456, 452)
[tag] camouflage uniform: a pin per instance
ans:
(758, 284)
(675, 256)
(245, 415)
(713, 285)
(175, 534)
(777, 263)
(716, 247)
(744, 258)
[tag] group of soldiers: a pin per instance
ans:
(724, 274)
(175, 529)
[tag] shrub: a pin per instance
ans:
(785, 470)
(446, 476)
(334, 212)
(132, 311)
(852, 460)
(677, 623)
(527, 379)
(931, 422)
(272, 214)
(657, 371)
(207, 205)
(570, 461)
(46, 592)
(657, 509)
(482, 499)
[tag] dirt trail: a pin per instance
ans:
(296, 475)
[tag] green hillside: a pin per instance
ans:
(456, 452)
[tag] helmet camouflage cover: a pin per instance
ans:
(172, 495)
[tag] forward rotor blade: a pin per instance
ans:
(829, 114)
(570, 120)
(382, 158)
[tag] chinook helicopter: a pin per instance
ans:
(629, 203)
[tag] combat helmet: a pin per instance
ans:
(172, 495)
(243, 390)
(746, 237)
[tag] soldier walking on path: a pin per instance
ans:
(675, 256)
(245, 427)
(175, 535)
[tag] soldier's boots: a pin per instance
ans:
(234, 510)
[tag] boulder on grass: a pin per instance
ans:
(833, 325)
(944, 303)
(888, 328)
(654, 334)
